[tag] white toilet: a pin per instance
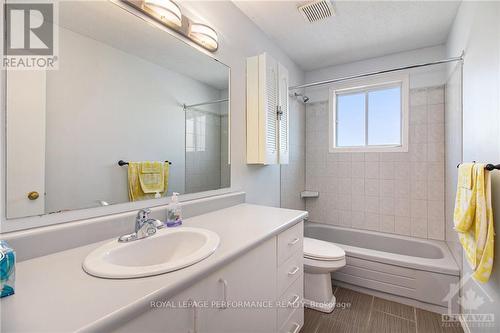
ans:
(320, 259)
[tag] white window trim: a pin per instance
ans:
(369, 83)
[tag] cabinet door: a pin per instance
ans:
(247, 286)
(271, 109)
(284, 115)
(178, 314)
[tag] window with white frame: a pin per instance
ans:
(370, 116)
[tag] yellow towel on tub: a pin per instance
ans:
(473, 219)
(144, 180)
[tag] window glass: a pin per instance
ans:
(350, 120)
(384, 116)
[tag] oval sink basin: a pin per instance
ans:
(168, 250)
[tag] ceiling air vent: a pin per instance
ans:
(317, 10)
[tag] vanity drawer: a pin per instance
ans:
(290, 241)
(294, 323)
(291, 300)
(289, 271)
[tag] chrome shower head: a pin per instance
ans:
(304, 97)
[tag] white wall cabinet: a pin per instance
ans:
(260, 292)
(267, 111)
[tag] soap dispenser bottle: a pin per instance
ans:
(174, 213)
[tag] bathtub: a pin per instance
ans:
(414, 271)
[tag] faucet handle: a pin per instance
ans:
(143, 214)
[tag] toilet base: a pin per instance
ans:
(318, 294)
(327, 307)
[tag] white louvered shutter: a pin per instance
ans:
(271, 108)
(284, 119)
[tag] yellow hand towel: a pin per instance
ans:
(473, 219)
(135, 189)
(151, 177)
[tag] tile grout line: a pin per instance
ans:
(396, 316)
(370, 313)
(416, 323)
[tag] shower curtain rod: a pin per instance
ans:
(320, 83)
(205, 103)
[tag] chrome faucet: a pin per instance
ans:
(144, 227)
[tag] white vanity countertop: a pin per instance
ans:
(54, 294)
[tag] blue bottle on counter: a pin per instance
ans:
(7, 269)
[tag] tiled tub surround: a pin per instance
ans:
(400, 193)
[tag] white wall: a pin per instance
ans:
(477, 31)
(93, 122)
(422, 77)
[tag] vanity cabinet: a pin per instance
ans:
(267, 113)
(261, 291)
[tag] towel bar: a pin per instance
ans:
(489, 167)
(122, 162)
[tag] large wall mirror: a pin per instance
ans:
(125, 90)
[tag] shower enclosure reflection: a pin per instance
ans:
(207, 158)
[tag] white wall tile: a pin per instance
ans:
(345, 169)
(372, 170)
(372, 221)
(419, 208)
(387, 187)
(390, 192)
(436, 190)
(418, 114)
(387, 223)
(357, 187)
(346, 218)
(419, 227)
(435, 171)
(358, 220)
(357, 157)
(419, 189)
(345, 186)
(435, 113)
(402, 225)
(372, 187)
(402, 207)
(418, 133)
(435, 95)
(401, 169)
(387, 206)
(358, 203)
(358, 169)
(386, 170)
(372, 157)
(418, 97)
(435, 133)
(372, 204)
(435, 152)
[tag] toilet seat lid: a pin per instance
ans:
(321, 250)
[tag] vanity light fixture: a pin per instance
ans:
(204, 36)
(168, 13)
(168, 10)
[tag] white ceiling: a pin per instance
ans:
(359, 30)
(108, 23)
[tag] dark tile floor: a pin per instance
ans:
(371, 314)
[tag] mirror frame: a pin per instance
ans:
(45, 220)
